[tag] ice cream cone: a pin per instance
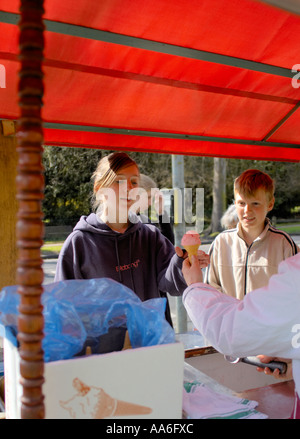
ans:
(124, 408)
(127, 342)
(108, 407)
(192, 250)
(191, 242)
(92, 402)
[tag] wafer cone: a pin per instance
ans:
(127, 408)
(191, 242)
(108, 407)
(192, 250)
(127, 342)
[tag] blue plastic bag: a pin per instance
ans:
(86, 312)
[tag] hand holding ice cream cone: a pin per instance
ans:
(192, 273)
(191, 242)
(197, 259)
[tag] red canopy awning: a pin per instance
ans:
(199, 77)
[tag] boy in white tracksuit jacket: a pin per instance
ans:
(266, 321)
(244, 258)
(237, 268)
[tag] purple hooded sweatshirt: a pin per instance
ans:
(141, 258)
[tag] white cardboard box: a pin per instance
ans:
(132, 384)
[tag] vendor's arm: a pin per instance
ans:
(262, 322)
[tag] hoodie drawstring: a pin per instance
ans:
(131, 275)
(118, 259)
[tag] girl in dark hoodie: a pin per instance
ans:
(114, 243)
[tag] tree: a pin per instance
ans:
(68, 189)
(68, 186)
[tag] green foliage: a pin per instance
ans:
(285, 175)
(68, 185)
(68, 174)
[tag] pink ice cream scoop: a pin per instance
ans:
(191, 242)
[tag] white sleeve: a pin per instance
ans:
(264, 322)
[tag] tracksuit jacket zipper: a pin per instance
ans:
(246, 266)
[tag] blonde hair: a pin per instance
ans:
(106, 172)
(251, 180)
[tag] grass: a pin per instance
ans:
(292, 228)
(51, 249)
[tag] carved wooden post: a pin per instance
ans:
(30, 188)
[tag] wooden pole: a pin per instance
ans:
(179, 228)
(30, 189)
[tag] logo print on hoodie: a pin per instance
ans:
(128, 266)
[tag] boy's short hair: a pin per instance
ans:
(251, 180)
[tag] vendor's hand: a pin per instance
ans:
(276, 373)
(192, 273)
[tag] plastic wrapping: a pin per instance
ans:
(91, 312)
